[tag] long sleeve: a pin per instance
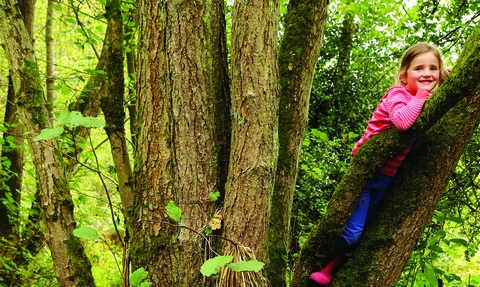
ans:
(404, 110)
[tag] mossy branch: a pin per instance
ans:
(464, 80)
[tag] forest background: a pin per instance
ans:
(361, 47)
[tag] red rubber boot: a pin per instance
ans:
(324, 277)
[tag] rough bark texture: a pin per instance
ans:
(462, 82)
(254, 114)
(298, 53)
(113, 107)
(182, 144)
(15, 156)
(72, 268)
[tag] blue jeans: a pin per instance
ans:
(366, 206)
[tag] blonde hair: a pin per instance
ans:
(414, 51)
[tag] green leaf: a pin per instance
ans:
(3, 128)
(211, 265)
(439, 218)
(86, 232)
(352, 135)
(57, 7)
(214, 195)
(64, 117)
(436, 248)
(451, 277)
(66, 90)
(47, 134)
(173, 211)
(91, 122)
(320, 134)
(76, 119)
(456, 219)
(145, 284)
(138, 276)
(332, 143)
(306, 142)
(430, 274)
(252, 265)
(71, 21)
(459, 241)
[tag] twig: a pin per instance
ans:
(106, 191)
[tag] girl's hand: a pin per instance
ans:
(448, 70)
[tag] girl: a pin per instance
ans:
(421, 70)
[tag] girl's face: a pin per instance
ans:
(423, 73)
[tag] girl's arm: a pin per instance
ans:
(402, 109)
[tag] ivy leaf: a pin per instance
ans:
(47, 134)
(145, 284)
(252, 265)
(86, 232)
(211, 265)
(173, 211)
(138, 276)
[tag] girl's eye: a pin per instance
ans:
(433, 68)
(418, 69)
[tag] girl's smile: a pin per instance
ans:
(423, 73)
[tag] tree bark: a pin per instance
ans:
(182, 143)
(254, 150)
(13, 154)
(72, 268)
(298, 54)
(462, 82)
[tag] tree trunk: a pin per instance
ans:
(14, 155)
(254, 150)
(182, 143)
(113, 107)
(50, 72)
(72, 268)
(298, 54)
(462, 82)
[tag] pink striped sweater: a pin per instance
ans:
(398, 108)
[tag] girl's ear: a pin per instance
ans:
(403, 78)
